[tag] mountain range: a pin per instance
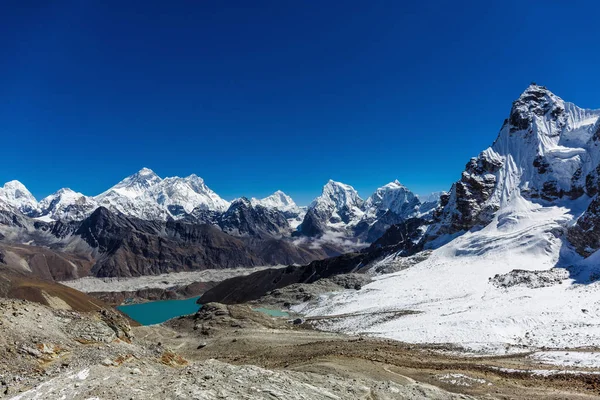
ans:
(146, 196)
(147, 225)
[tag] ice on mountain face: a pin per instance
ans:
(15, 195)
(546, 152)
(145, 195)
(66, 205)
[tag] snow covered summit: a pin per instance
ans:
(15, 195)
(145, 195)
(279, 201)
(66, 205)
(546, 151)
(340, 211)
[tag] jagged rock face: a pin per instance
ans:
(244, 219)
(202, 216)
(585, 234)
(403, 238)
(12, 219)
(312, 225)
(468, 199)
(545, 151)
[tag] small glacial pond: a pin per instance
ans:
(271, 312)
(155, 312)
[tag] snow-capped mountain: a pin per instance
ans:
(133, 196)
(145, 195)
(514, 261)
(182, 195)
(339, 209)
(279, 201)
(387, 206)
(393, 197)
(66, 205)
(284, 203)
(15, 195)
(546, 152)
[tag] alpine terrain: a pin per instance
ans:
(489, 290)
(509, 262)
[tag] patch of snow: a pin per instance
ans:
(461, 380)
(581, 359)
(455, 302)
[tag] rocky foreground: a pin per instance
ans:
(232, 352)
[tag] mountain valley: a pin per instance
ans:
(489, 290)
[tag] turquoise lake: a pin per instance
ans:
(155, 312)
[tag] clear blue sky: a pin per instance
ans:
(266, 95)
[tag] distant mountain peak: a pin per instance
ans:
(339, 195)
(16, 195)
(145, 171)
(393, 197)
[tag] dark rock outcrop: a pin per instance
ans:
(256, 285)
(133, 247)
(244, 219)
(585, 234)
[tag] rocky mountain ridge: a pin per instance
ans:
(144, 195)
(339, 210)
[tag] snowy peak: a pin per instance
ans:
(278, 200)
(136, 184)
(393, 197)
(145, 195)
(337, 209)
(67, 205)
(337, 196)
(16, 195)
(545, 151)
(187, 194)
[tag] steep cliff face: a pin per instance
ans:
(546, 152)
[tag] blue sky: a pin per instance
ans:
(266, 95)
